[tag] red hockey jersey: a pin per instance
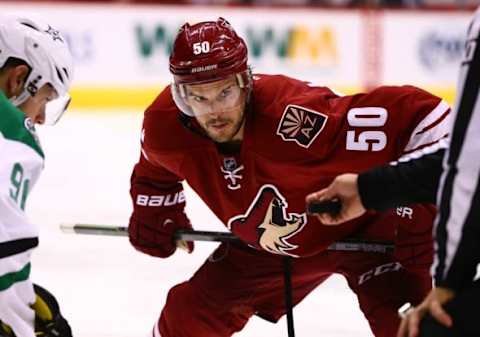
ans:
(297, 138)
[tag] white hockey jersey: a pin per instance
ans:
(21, 162)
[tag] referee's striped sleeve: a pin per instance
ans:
(457, 228)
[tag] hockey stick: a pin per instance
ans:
(287, 286)
(353, 245)
(329, 206)
(192, 235)
(332, 207)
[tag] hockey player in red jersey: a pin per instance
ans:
(252, 147)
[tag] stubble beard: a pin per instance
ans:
(227, 135)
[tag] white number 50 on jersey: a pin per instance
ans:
(358, 140)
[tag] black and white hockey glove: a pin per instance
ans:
(48, 320)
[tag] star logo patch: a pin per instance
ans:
(55, 34)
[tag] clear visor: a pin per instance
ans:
(200, 98)
(42, 99)
(55, 109)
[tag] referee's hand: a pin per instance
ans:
(344, 189)
(433, 304)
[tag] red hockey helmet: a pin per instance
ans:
(207, 52)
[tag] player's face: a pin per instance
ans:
(34, 107)
(219, 108)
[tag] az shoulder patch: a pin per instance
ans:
(301, 125)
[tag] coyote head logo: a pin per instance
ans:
(266, 224)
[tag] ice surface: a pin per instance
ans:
(106, 288)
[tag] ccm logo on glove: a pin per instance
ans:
(160, 200)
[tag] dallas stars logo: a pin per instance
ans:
(55, 34)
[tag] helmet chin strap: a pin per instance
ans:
(20, 99)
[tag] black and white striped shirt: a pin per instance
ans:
(457, 227)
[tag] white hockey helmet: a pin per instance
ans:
(45, 51)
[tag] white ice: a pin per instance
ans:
(105, 287)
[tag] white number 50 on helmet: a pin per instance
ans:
(45, 51)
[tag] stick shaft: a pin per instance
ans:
(94, 229)
(192, 235)
(288, 295)
(354, 245)
(182, 234)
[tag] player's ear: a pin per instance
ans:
(16, 78)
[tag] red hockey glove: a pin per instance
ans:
(157, 214)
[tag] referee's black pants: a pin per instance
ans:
(465, 312)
